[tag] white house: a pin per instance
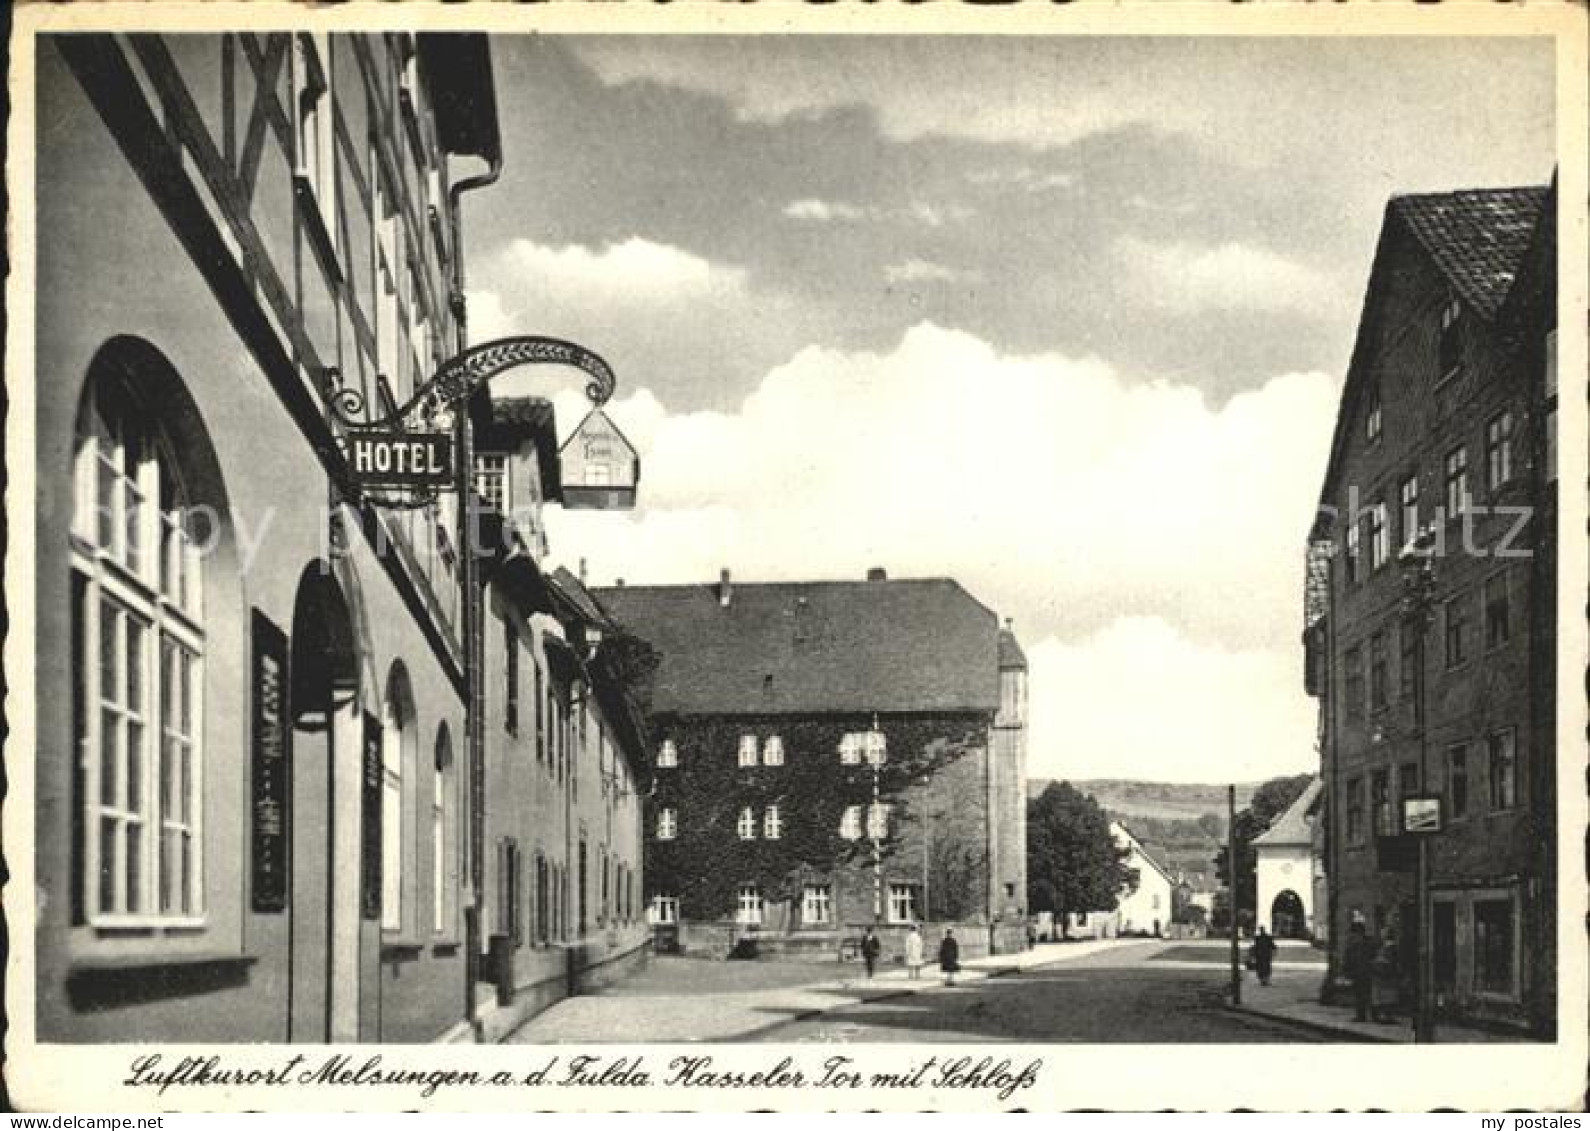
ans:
(1145, 910)
(1284, 868)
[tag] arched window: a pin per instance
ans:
(138, 584)
(444, 826)
(397, 738)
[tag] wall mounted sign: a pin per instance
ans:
(370, 820)
(1421, 814)
(270, 793)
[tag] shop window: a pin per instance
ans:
(1495, 947)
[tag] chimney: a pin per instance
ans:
(618, 583)
(877, 573)
(582, 571)
(725, 588)
(1009, 625)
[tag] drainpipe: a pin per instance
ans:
(474, 657)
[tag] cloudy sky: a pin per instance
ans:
(1063, 318)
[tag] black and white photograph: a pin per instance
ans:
(978, 547)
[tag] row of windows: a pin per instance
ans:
(772, 823)
(558, 905)
(558, 732)
(1496, 757)
(1373, 524)
(816, 905)
(1458, 646)
(870, 746)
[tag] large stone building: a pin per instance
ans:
(1446, 431)
(254, 802)
(830, 755)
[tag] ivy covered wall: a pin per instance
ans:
(934, 777)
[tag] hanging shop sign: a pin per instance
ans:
(271, 768)
(383, 458)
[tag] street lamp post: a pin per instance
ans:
(875, 820)
(1418, 593)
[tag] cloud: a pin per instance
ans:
(821, 210)
(922, 271)
(1228, 276)
(1138, 699)
(634, 269)
(1054, 488)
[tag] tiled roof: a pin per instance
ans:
(1477, 237)
(1292, 827)
(815, 647)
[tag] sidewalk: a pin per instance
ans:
(1293, 997)
(683, 1012)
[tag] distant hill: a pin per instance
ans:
(1185, 824)
(1154, 798)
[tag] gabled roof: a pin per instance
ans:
(1477, 237)
(817, 647)
(1292, 827)
(1149, 853)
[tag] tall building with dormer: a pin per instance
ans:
(1446, 433)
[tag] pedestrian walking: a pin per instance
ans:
(949, 956)
(1360, 968)
(1263, 952)
(870, 949)
(913, 952)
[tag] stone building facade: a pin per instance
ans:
(1446, 427)
(829, 756)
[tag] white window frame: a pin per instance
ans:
(817, 905)
(772, 823)
(667, 823)
(1456, 477)
(878, 818)
(747, 752)
(1499, 449)
(664, 910)
(1408, 505)
(1374, 420)
(773, 751)
(492, 481)
(850, 823)
(392, 735)
(314, 123)
(159, 590)
(746, 825)
(667, 755)
(876, 745)
(1379, 536)
(1498, 740)
(850, 750)
(748, 906)
(902, 903)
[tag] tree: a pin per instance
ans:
(1269, 802)
(1073, 863)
